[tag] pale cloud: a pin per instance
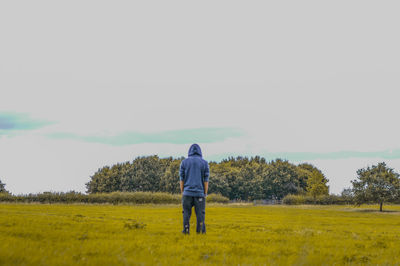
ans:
(12, 123)
(187, 136)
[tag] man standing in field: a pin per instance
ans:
(194, 172)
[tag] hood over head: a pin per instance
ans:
(195, 150)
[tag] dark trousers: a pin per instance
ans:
(199, 204)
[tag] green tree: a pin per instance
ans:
(219, 179)
(281, 179)
(317, 184)
(108, 179)
(170, 180)
(248, 187)
(145, 174)
(3, 187)
(306, 170)
(376, 184)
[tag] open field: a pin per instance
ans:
(56, 234)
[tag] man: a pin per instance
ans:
(194, 173)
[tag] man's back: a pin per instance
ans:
(194, 171)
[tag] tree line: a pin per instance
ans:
(240, 178)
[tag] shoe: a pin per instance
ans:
(186, 230)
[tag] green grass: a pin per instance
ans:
(56, 234)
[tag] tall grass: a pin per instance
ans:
(112, 198)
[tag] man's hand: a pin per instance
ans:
(205, 188)
(181, 185)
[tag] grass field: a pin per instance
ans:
(56, 234)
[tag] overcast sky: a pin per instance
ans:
(86, 84)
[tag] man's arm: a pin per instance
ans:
(181, 176)
(206, 176)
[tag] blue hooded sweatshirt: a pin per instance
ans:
(194, 171)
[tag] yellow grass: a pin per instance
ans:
(56, 234)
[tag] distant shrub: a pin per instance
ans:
(5, 196)
(113, 198)
(319, 200)
(218, 198)
(133, 197)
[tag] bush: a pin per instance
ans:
(5, 196)
(217, 198)
(319, 200)
(113, 198)
(133, 197)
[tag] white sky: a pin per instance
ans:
(294, 76)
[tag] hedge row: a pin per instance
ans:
(113, 198)
(319, 200)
